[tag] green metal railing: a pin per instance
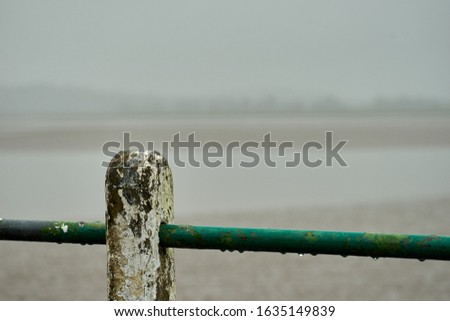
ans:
(422, 247)
(53, 231)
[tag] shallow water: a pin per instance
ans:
(69, 185)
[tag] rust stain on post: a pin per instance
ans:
(139, 198)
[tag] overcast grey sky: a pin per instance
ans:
(354, 50)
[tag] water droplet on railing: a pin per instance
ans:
(375, 258)
(301, 254)
(421, 260)
(313, 254)
(344, 255)
(222, 250)
(283, 253)
(241, 251)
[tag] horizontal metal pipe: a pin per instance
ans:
(422, 247)
(53, 231)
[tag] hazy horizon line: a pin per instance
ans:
(45, 99)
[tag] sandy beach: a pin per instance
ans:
(361, 130)
(32, 271)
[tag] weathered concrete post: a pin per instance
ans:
(139, 198)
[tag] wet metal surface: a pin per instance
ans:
(422, 247)
(313, 242)
(51, 231)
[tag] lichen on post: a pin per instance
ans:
(139, 198)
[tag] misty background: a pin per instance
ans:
(161, 56)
